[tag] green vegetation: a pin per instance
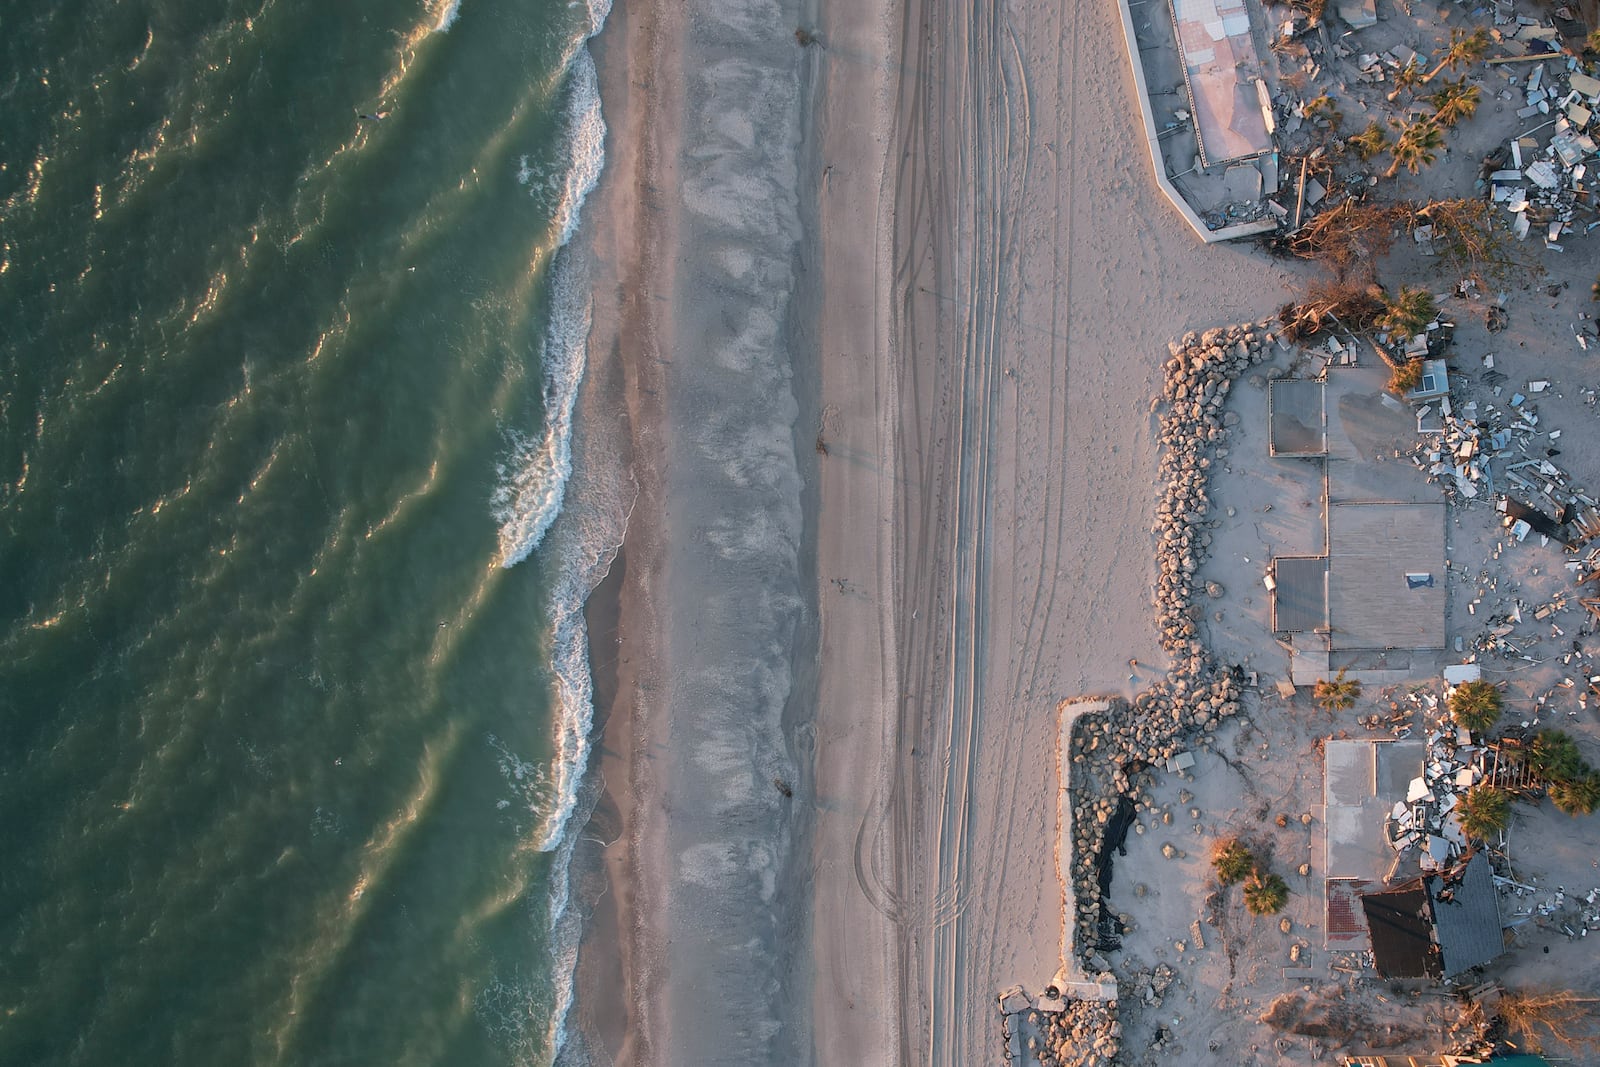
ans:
(1407, 78)
(1407, 313)
(1336, 694)
(1573, 785)
(1455, 101)
(1370, 142)
(1324, 107)
(1577, 796)
(1417, 146)
(1265, 893)
(1405, 376)
(1232, 860)
(1464, 48)
(1484, 811)
(1476, 706)
(1554, 756)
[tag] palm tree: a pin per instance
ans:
(1577, 796)
(1265, 894)
(1232, 860)
(1476, 706)
(1325, 107)
(1406, 78)
(1407, 314)
(1417, 146)
(1405, 376)
(1464, 48)
(1455, 101)
(1484, 810)
(1554, 757)
(1370, 142)
(1338, 694)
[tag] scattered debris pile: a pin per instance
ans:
(1541, 182)
(1056, 1032)
(1426, 820)
(1460, 448)
(1369, 1020)
(1195, 697)
(1574, 914)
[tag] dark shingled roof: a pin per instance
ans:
(1300, 599)
(1466, 916)
(1402, 946)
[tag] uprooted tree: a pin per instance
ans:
(1350, 237)
(1465, 237)
(1537, 1019)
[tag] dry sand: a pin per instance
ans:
(1029, 278)
(941, 221)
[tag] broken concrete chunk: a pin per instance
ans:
(1358, 14)
(1584, 85)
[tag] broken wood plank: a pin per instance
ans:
(1300, 198)
(1524, 59)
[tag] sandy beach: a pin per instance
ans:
(889, 310)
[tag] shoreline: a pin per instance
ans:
(602, 963)
(605, 1025)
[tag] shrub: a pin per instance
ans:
(1337, 694)
(1232, 860)
(1265, 893)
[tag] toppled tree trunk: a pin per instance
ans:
(1350, 305)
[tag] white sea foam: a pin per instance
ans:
(532, 490)
(533, 479)
(448, 10)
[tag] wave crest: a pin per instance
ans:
(534, 477)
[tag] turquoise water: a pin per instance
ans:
(290, 683)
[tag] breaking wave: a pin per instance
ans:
(448, 10)
(533, 479)
(531, 491)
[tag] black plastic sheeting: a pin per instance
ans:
(1111, 929)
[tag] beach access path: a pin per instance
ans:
(1000, 278)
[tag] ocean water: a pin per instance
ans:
(294, 696)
